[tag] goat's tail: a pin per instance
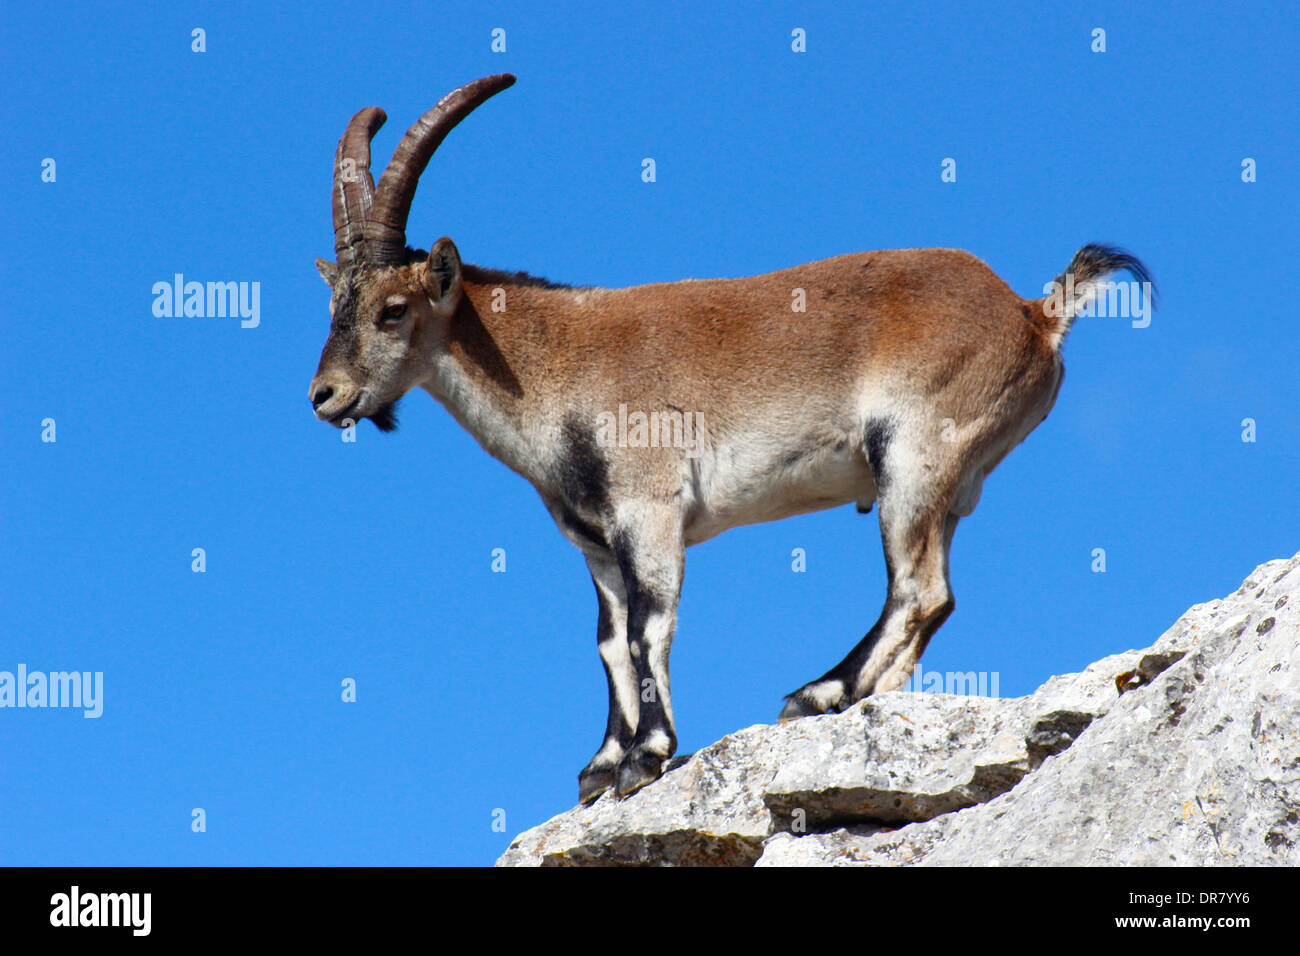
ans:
(1079, 287)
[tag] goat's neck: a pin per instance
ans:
(488, 373)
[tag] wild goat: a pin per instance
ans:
(905, 380)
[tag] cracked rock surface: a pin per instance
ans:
(1186, 753)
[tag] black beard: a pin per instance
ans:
(385, 418)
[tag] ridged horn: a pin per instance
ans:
(385, 229)
(354, 188)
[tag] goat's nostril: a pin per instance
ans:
(322, 396)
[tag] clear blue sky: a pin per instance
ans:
(480, 691)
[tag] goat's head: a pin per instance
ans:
(390, 304)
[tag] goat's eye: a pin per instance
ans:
(394, 312)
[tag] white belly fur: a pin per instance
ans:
(729, 487)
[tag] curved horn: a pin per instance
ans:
(354, 189)
(386, 228)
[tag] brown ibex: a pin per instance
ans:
(905, 379)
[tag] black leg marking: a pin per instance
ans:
(651, 614)
(879, 433)
(583, 472)
(809, 700)
(585, 530)
(601, 772)
(643, 764)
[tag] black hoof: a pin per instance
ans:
(823, 697)
(794, 709)
(593, 782)
(635, 771)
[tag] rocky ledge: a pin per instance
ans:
(1186, 753)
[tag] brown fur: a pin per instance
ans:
(937, 321)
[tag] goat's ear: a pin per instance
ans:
(328, 271)
(441, 274)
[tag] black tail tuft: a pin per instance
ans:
(1094, 261)
(1080, 284)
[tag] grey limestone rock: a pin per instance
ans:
(1185, 753)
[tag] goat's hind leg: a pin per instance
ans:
(904, 662)
(916, 530)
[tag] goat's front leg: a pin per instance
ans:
(611, 640)
(651, 555)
